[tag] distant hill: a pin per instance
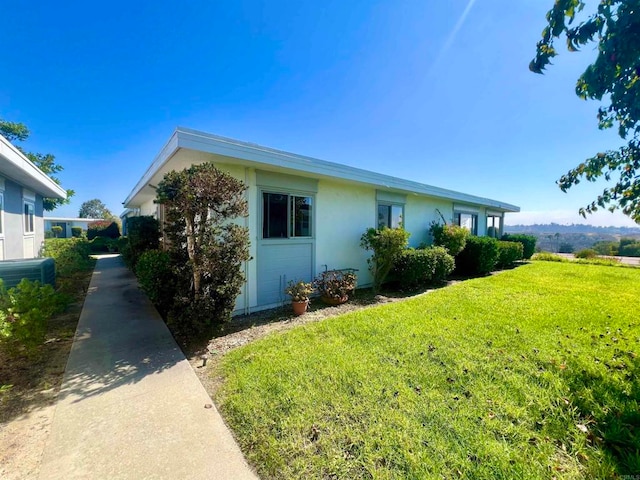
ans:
(550, 228)
(553, 237)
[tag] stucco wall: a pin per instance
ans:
(419, 212)
(342, 213)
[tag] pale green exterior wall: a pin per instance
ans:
(342, 212)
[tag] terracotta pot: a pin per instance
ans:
(335, 301)
(299, 308)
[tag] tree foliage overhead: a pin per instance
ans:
(95, 209)
(613, 78)
(18, 132)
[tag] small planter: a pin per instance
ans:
(335, 301)
(300, 308)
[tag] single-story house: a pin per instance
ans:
(22, 188)
(307, 215)
(66, 224)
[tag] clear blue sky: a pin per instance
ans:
(438, 92)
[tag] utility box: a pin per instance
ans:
(41, 269)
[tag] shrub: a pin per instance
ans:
(549, 257)
(299, 291)
(566, 247)
(417, 268)
(606, 247)
(336, 284)
(586, 253)
(207, 247)
(480, 256)
(386, 245)
(143, 233)
(509, 253)
(70, 254)
(56, 230)
(24, 312)
(103, 228)
(451, 237)
(104, 244)
(528, 243)
(630, 249)
(156, 278)
(76, 232)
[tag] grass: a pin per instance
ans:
(531, 373)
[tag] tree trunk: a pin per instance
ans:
(191, 251)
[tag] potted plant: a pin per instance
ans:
(299, 292)
(335, 286)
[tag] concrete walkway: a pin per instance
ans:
(131, 406)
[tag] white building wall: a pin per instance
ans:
(419, 212)
(343, 213)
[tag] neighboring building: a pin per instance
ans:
(66, 224)
(307, 215)
(22, 188)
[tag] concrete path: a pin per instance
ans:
(131, 406)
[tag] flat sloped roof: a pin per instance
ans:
(15, 166)
(264, 157)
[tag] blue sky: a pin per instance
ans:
(437, 92)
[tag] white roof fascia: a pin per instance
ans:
(15, 166)
(68, 219)
(204, 142)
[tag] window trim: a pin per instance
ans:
(501, 221)
(290, 220)
(382, 203)
(32, 216)
(2, 214)
(457, 219)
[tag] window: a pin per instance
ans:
(1, 214)
(390, 215)
(286, 216)
(467, 220)
(493, 225)
(28, 217)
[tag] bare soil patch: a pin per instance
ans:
(29, 387)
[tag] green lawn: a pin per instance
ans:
(531, 373)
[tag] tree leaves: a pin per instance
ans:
(614, 75)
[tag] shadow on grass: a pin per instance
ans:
(283, 317)
(609, 405)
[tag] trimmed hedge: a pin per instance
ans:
(509, 253)
(452, 237)
(156, 278)
(586, 253)
(70, 254)
(104, 244)
(76, 232)
(479, 257)
(417, 268)
(143, 233)
(103, 228)
(528, 243)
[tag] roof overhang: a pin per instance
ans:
(18, 168)
(186, 146)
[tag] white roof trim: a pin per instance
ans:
(18, 168)
(68, 219)
(208, 143)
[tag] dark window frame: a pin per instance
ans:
(293, 223)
